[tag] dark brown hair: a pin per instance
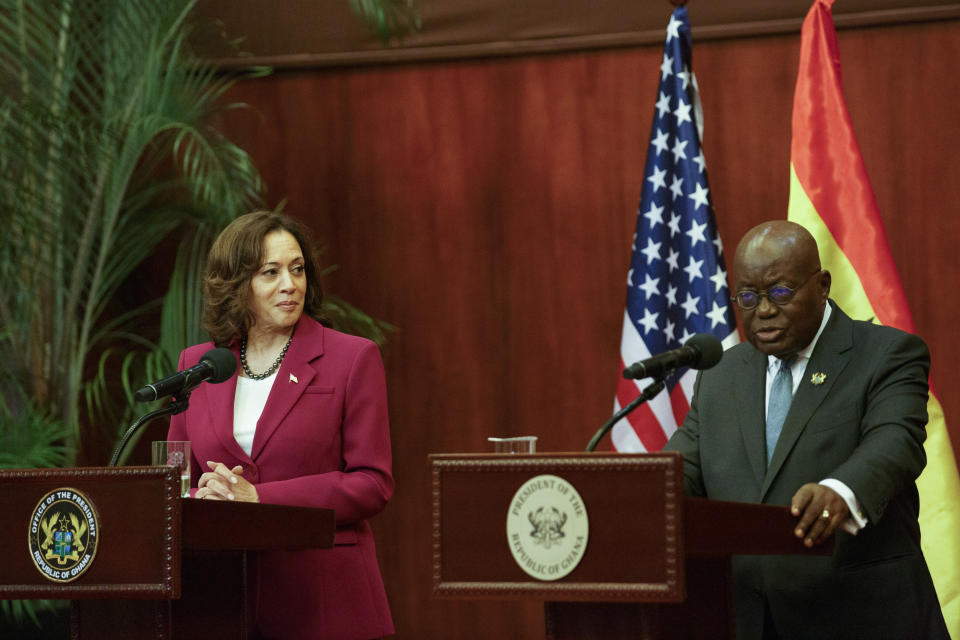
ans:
(234, 258)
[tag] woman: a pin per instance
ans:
(303, 423)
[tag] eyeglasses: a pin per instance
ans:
(778, 295)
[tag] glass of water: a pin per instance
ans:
(174, 453)
(518, 444)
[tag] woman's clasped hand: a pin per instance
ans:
(223, 483)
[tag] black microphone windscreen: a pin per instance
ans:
(224, 363)
(710, 350)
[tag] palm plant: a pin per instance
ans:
(103, 152)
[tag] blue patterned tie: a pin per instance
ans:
(781, 394)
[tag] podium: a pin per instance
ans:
(654, 565)
(161, 567)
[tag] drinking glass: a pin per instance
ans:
(517, 444)
(174, 453)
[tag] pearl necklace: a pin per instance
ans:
(273, 368)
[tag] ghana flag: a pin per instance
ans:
(831, 195)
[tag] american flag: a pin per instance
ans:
(677, 284)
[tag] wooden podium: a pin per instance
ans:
(164, 566)
(655, 565)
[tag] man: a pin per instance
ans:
(837, 435)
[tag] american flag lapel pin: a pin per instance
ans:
(293, 379)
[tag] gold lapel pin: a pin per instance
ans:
(818, 378)
(293, 379)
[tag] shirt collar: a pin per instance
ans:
(773, 362)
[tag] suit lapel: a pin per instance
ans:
(750, 398)
(830, 358)
(293, 377)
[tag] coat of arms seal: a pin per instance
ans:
(63, 533)
(547, 527)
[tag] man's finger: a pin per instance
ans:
(810, 514)
(820, 523)
(839, 512)
(801, 499)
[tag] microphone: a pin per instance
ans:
(216, 365)
(702, 351)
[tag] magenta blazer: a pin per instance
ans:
(323, 441)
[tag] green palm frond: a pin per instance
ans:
(31, 438)
(105, 148)
(20, 612)
(388, 18)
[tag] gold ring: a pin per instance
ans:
(825, 515)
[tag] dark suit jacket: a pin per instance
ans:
(863, 425)
(322, 441)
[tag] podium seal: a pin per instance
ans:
(547, 527)
(63, 534)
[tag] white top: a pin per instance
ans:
(248, 404)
